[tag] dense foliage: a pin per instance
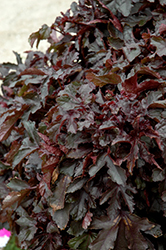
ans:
(83, 131)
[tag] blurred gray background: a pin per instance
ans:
(19, 18)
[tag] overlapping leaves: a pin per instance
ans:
(82, 137)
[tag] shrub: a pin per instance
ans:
(83, 131)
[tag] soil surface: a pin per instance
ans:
(20, 18)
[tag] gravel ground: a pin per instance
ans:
(19, 18)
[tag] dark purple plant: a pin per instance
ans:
(83, 131)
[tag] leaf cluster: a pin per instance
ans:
(83, 131)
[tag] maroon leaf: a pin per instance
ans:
(32, 71)
(61, 217)
(131, 86)
(30, 127)
(98, 165)
(50, 163)
(158, 104)
(44, 191)
(9, 122)
(79, 211)
(160, 44)
(18, 184)
(158, 175)
(134, 226)
(149, 72)
(146, 36)
(162, 28)
(87, 220)
(109, 194)
(13, 151)
(106, 237)
(116, 22)
(161, 128)
(147, 156)
(71, 123)
(114, 19)
(117, 174)
(133, 156)
(147, 85)
(127, 197)
(100, 81)
(45, 138)
(131, 51)
(23, 152)
(76, 185)
(48, 168)
(94, 22)
(124, 7)
(114, 204)
(50, 149)
(58, 199)
(4, 191)
(164, 196)
(43, 33)
(121, 241)
(88, 121)
(28, 225)
(15, 198)
(79, 153)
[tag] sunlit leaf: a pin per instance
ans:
(15, 198)
(87, 220)
(100, 81)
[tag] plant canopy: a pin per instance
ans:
(83, 131)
